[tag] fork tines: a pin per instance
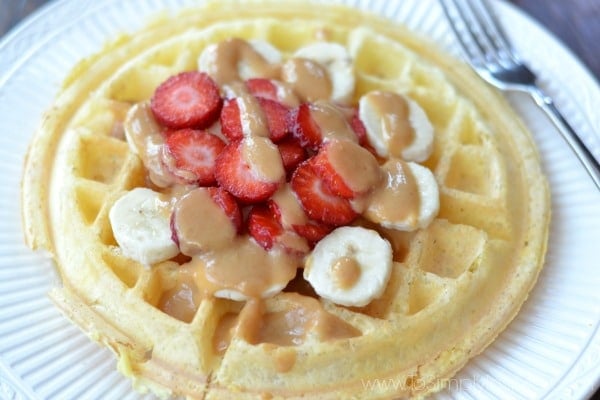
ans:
(479, 32)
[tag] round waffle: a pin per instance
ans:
(454, 285)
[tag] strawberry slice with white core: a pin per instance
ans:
(347, 169)
(317, 200)
(191, 155)
(251, 169)
(187, 100)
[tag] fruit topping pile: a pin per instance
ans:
(284, 157)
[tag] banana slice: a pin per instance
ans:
(351, 266)
(242, 55)
(140, 223)
(408, 200)
(396, 126)
(338, 63)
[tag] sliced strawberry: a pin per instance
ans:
(313, 231)
(263, 226)
(332, 179)
(231, 123)
(262, 87)
(229, 205)
(292, 154)
(193, 152)
(187, 100)
(359, 128)
(316, 198)
(288, 211)
(304, 128)
(331, 164)
(276, 114)
(235, 175)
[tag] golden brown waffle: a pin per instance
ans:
(455, 285)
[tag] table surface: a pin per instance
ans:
(575, 22)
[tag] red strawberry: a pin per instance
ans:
(236, 176)
(191, 155)
(263, 226)
(272, 89)
(261, 87)
(276, 114)
(337, 175)
(228, 203)
(292, 154)
(187, 100)
(289, 218)
(304, 128)
(313, 231)
(359, 128)
(231, 124)
(317, 200)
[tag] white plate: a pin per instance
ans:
(550, 351)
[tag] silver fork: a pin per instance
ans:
(492, 56)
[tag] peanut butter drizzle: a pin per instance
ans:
(253, 119)
(264, 158)
(182, 300)
(302, 318)
(229, 54)
(195, 216)
(144, 135)
(224, 332)
(243, 266)
(290, 209)
(332, 121)
(345, 272)
(357, 167)
(394, 112)
(397, 198)
(308, 78)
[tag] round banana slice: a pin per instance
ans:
(396, 126)
(140, 223)
(338, 63)
(408, 200)
(351, 266)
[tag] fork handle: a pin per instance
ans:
(581, 151)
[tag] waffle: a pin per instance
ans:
(454, 286)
